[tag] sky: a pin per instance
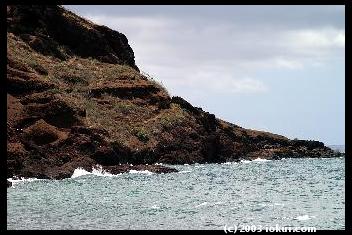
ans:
(273, 68)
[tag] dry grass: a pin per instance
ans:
(172, 117)
(21, 52)
(156, 83)
(128, 121)
(75, 18)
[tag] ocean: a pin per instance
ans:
(289, 192)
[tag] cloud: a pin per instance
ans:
(316, 42)
(214, 54)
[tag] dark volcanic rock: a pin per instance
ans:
(123, 168)
(49, 28)
(9, 184)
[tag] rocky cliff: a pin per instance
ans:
(75, 98)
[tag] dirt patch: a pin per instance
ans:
(42, 133)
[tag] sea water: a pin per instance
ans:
(289, 192)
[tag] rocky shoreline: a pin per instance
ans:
(76, 98)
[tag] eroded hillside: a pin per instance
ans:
(75, 98)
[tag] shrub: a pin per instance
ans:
(171, 118)
(37, 67)
(141, 133)
(125, 107)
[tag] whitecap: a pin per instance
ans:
(155, 207)
(140, 172)
(202, 204)
(304, 217)
(100, 172)
(260, 160)
(219, 203)
(199, 166)
(246, 161)
(15, 181)
(184, 171)
(97, 171)
(80, 172)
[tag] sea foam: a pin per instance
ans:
(256, 160)
(260, 160)
(98, 171)
(15, 181)
(140, 172)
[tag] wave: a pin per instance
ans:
(98, 171)
(228, 163)
(202, 204)
(256, 160)
(198, 165)
(219, 203)
(210, 204)
(141, 172)
(304, 217)
(15, 181)
(155, 207)
(260, 160)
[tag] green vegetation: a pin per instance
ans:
(37, 67)
(119, 72)
(172, 117)
(126, 107)
(72, 74)
(141, 133)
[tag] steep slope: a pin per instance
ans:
(77, 99)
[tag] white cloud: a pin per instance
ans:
(221, 57)
(317, 38)
(215, 80)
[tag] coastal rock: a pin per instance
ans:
(16, 154)
(123, 168)
(55, 31)
(76, 99)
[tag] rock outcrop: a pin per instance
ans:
(75, 98)
(54, 31)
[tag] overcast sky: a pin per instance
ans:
(274, 68)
